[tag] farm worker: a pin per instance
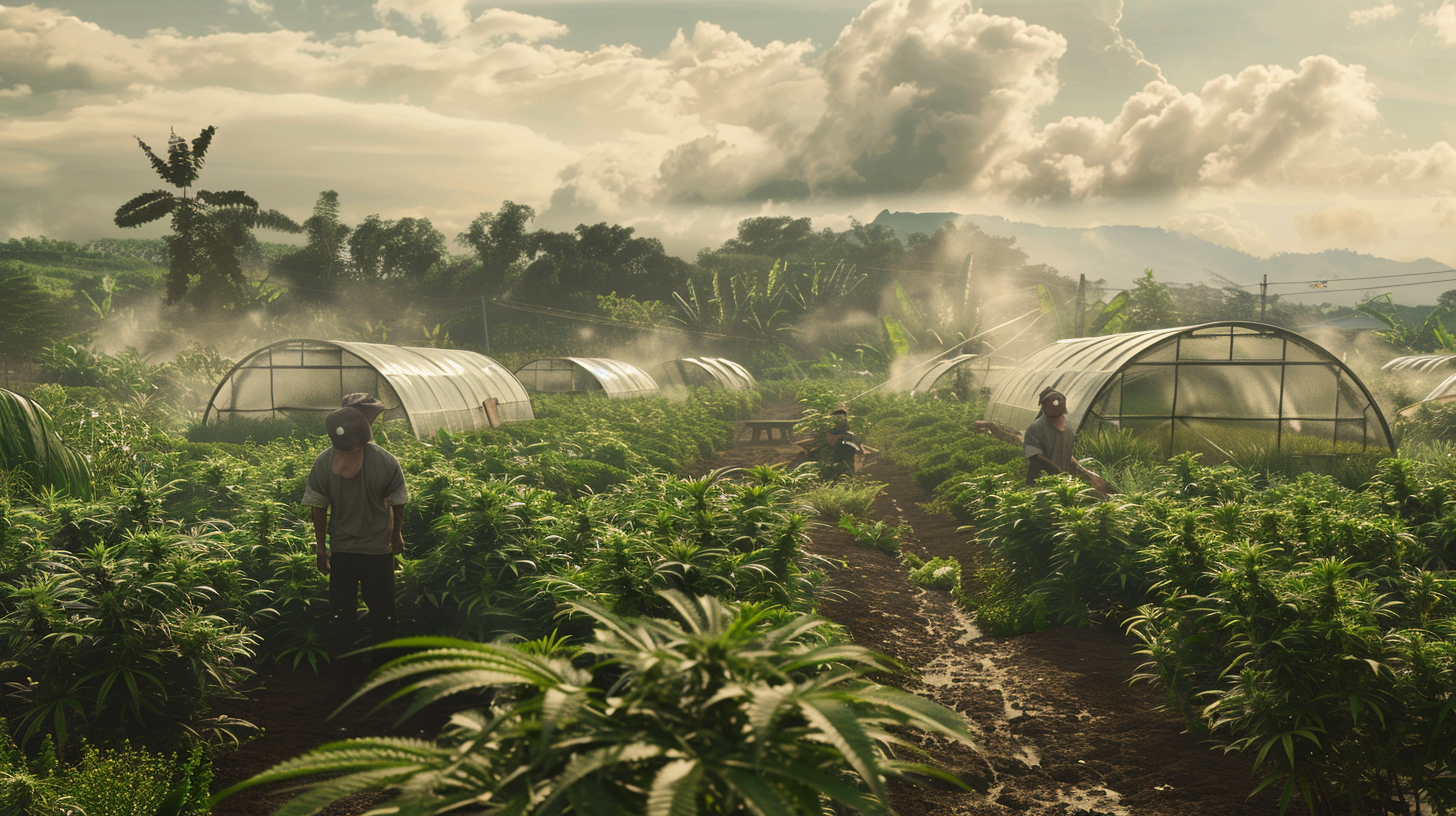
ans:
(365, 404)
(840, 429)
(363, 485)
(1049, 441)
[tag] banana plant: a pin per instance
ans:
(28, 441)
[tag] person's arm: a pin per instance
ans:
(1047, 464)
(320, 529)
(1099, 484)
(396, 528)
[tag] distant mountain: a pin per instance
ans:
(1118, 255)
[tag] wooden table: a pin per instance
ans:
(762, 427)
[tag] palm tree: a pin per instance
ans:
(207, 227)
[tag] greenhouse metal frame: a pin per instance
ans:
(1211, 388)
(431, 389)
(580, 375)
(706, 371)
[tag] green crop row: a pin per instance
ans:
(135, 610)
(1306, 622)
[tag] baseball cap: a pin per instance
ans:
(348, 429)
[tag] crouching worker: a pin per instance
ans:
(1049, 442)
(356, 490)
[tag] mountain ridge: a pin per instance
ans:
(1118, 255)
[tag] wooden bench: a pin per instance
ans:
(766, 427)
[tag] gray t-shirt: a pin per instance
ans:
(359, 518)
(1042, 438)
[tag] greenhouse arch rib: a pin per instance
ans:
(1249, 384)
(431, 389)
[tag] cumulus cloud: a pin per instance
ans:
(1385, 11)
(1339, 226)
(1443, 20)
(460, 107)
(1268, 123)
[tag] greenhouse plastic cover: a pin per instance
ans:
(1420, 363)
(706, 370)
(1213, 388)
(565, 374)
(923, 380)
(432, 389)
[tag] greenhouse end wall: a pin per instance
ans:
(431, 389)
(1222, 389)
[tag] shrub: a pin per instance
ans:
(718, 711)
(942, 573)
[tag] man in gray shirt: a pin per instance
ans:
(1049, 441)
(360, 485)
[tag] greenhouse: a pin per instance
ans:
(705, 371)
(431, 389)
(957, 372)
(1421, 363)
(585, 375)
(1218, 388)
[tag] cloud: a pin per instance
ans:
(1266, 124)
(258, 7)
(1443, 20)
(449, 109)
(1385, 11)
(1339, 226)
(1225, 229)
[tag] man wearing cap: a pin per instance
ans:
(356, 490)
(1049, 442)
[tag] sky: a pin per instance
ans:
(1287, 126)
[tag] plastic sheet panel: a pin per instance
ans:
(432, 389)
(1421, 363)
(705, 371)
(959, 365)
(616, 379)
(1187, 388)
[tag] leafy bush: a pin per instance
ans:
(721, 710)
(121, 780)
(943, 573)
(877, 534)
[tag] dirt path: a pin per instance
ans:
(1060, 732)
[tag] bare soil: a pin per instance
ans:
(1060, 732)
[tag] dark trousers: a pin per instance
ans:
(352, 575)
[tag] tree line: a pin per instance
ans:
(781, 289)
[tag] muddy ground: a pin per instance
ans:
(1059, 730)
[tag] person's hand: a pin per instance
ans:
(323, 562)
(396, 543)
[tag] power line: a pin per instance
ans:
(1349, 280)
(1367, 288)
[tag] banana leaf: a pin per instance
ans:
(28, 441)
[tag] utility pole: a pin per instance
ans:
(1081, 305)
(485, 325)
(1263, 297)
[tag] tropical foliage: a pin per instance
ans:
(718, 710)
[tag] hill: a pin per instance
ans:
(1119, 254)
